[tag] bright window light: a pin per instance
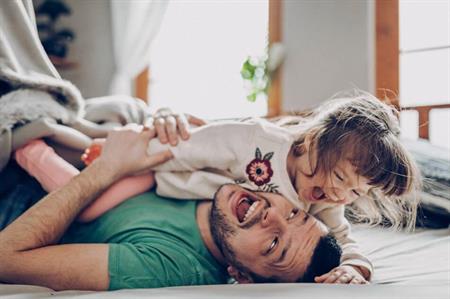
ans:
(198, 54)
(425, 65)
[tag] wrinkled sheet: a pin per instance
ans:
(407, 265)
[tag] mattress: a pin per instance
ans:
(407, 265)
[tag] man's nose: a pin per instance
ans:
(272, 217)
(335, 194)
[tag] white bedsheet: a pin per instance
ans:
(414, 265)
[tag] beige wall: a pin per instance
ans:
(329, 47)
(92, 48)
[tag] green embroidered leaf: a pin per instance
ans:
(270, 188)
(258, 154)
(268, 156)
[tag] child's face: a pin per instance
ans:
(342, 186)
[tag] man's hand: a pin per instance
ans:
(125, 151)
(169, 125)
(342, 274)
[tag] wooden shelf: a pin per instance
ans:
(63, 63)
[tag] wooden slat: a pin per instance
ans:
(424, 117)
(275, 35)
(387, 50)
(141, 85)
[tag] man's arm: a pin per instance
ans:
(27, 253)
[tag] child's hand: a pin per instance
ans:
(342, 274)
(170, 126)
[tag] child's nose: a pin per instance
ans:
(335, 194)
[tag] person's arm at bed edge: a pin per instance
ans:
(27, 251)
(353, 262)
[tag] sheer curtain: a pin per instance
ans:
(135, 23)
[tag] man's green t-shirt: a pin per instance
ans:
(153, 242)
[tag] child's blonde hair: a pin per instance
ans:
(365, 131)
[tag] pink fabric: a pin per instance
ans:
(53, 172)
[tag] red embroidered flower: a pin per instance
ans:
(259, 170)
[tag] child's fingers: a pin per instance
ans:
(160, 124)
(322, 277)
(344, 278)
(355, 280)
(195, 120)
(333, 277)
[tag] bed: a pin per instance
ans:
(407, 265)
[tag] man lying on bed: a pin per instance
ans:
(150, 241)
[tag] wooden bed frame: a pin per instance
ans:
(424, 117)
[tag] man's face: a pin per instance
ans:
(267, 234)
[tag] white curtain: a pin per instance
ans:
(135, 24)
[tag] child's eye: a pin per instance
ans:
(357, 194)
(293, 213)
(338, 176)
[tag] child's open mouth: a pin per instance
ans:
(318, 194)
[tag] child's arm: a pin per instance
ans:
(217, 145)
(353, 262)
(116, 194)
(53, 172)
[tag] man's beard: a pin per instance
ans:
(221, 229)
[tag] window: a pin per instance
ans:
(424, 66)
(198, 54)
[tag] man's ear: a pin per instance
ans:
(238, 275)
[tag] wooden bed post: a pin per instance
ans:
(275, 35)
(141, 85)
(387, 50)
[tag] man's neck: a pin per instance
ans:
(202, 216)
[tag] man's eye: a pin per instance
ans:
(293, 213)
(357, 194)
(273, 244)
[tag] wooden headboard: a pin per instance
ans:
(424, 117)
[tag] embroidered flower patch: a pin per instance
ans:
(259, 170)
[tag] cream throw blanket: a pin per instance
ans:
(38, 103)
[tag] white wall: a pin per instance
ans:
(329, 46)
(92, 48)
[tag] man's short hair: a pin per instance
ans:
(326, 256)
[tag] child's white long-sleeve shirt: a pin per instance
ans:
(254, 155)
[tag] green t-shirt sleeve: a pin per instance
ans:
(145, 266)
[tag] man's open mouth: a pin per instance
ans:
(245, 206)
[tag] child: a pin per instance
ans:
(347, 151)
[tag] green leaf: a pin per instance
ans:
(251, 97)
(268, 156)
(258, 154)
